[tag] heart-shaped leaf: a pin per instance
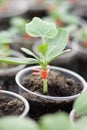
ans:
(40, 28)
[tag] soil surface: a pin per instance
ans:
(9, 106)
(58, 84)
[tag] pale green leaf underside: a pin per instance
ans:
(16, 60)
(15, 123)
(81, 124)
(80, 104)
(55, 122)
(40, 28)
(29, 52)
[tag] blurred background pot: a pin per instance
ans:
(13, 8)
(13, 104)
(7, 75)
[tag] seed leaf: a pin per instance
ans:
(39, 28)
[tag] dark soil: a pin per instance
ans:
(9, 106)
(8, 83)
(58, 84)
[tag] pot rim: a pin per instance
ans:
(19, 74)
(71, 116)
(26, 104)
(13, 70)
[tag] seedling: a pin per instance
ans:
(53, 42)
(5, 41)
(81, 35)
(18, 27)
(62, 15)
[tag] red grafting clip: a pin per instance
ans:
(42, 73)
(0, 89)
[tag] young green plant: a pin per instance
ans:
(62, 16)
(81, 35)
(53, 43)
(18, 26)
(5, 41)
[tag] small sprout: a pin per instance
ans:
(53, 43)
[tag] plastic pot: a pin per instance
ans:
(7, 94)
(72, 113)
(7, 76)
(43, 104)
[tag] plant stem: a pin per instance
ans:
(45, 86)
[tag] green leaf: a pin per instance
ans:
(64, 16)
(55, 122)
(15, 123)
(57, 56)
(57, 44)
(70, 19)
(16, 60)
(18, 25)
(81, 124)
(43, 49)
(29, 52)
(4, 51)
(40, 28)
(80, 104)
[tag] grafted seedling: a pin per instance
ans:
(53, 43)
